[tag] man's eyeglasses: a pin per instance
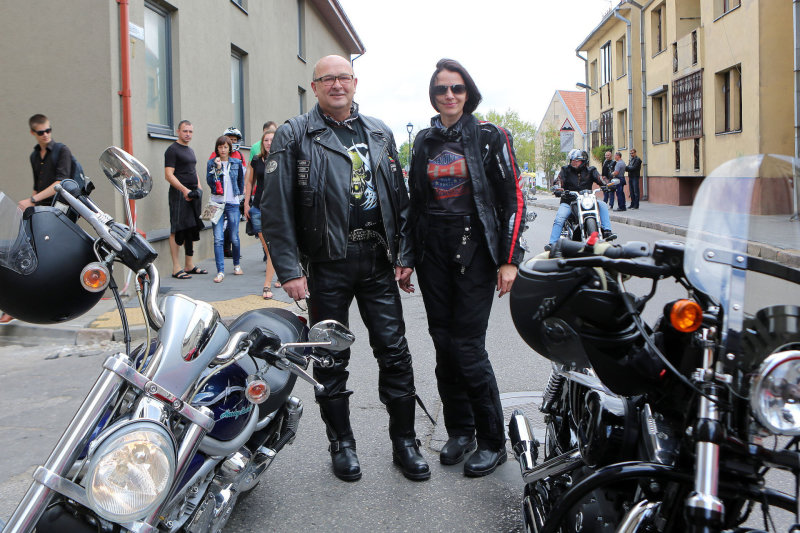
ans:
(42, 132)
(441, 90)
(327, 81)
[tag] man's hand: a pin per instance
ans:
(24, 204)
(402, 275)
(296, 288)
(246, 209)
(505, 278)
(186, 192)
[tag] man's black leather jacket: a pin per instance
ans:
(577, 179)
(495, 179)
(305, 207)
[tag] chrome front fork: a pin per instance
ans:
(33, 504)
(705, 508)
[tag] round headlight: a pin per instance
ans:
(131, 471)
(775, 393)
(587, 202)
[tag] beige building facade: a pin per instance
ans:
(691, 84)
(217, 63)
(566, 114)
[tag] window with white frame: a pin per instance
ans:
(605, 64)
(301, 29)
(621, 57)
(657, 30)
(622, 129)
(658, 106)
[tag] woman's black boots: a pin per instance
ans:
(405, 446)
(335, 413)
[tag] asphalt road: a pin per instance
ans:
(39, 394)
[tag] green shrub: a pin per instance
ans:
(599, 152)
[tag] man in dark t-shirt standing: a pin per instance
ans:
(180, 171)
(47, 171)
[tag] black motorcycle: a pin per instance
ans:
(672, 426)
(175, 430)
(584, 218)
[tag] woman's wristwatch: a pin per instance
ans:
(33, 200)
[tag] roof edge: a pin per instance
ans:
(333, 13)
(621, 6)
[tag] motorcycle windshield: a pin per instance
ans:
(742, 247)
(16, 251)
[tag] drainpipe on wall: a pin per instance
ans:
(629, 76)
(125, 93)
(643, 148)
(586, 77)
(796, 20)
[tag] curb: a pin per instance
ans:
(789, 258)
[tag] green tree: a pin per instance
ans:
(550, 156)
(522, 131)
(402, 153)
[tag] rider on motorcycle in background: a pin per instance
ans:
(578, 176)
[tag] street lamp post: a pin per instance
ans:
(410, 128)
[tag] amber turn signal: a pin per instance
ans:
(686, 316)
(95, 277)
(257, 391)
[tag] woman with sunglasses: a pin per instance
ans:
(225, 176)
(468, 214)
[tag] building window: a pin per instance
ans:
(723, 6)
(674, 57)
(605, 64)
(694, 47)
(620, 57)
(659, 108)
(593, 74)
(606, 128)
(728, 110)
(677, 155)
(657, 29)
(622, 129)
(301, 96)
(697, 153)
(158, 69)
(687, 106)
(237, 90)
(595, 138)
(301, 29)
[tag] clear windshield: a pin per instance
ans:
(16, 252)
(744, 208)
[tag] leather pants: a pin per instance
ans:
(458, 307)
(366, 275)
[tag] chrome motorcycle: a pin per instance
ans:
(175, 430)
(679, 425)
(584, 218)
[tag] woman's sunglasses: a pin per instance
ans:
(441, 90)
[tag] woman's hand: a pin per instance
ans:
(402, 275)
(218, 162)
(505, 278)
(246, 208)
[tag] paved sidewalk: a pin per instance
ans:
(773, 237)
(232, 297)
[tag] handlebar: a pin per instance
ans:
(634, 258)
(93, 215)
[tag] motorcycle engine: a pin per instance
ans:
(607, 432)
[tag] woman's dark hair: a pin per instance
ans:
(220, 141)
(473, 94)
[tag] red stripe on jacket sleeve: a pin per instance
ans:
(520, 204)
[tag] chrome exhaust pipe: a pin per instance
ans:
(562, 464)
(525, 447)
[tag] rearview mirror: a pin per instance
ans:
(126, 173)
(336, 333)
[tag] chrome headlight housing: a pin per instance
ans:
(587, 202)
(131, 471)
(775, 393)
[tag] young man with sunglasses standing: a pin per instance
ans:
(334, 190)
(47, 172)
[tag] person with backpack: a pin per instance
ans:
(51, 162)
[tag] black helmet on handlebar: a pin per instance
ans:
(50, 290)
(574, 317)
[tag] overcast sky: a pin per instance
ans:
(518, 51)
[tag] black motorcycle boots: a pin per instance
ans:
(484, 461)
(335, 413)
(405, 446)
(456, 448)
